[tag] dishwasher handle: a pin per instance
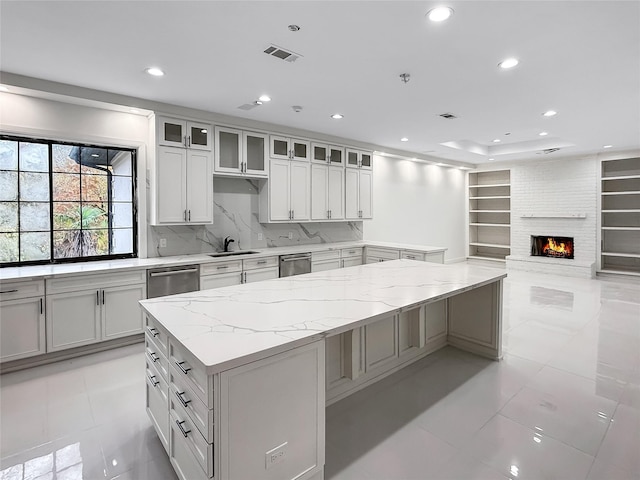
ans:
(172, 272)
(293, 258)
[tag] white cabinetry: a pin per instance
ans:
(325, 260)
(259, 269)
(358, 194)
(328, 154)
(235, 272)
(327, 192)
(381, 254)
(87, 309)
(358, 159)
(352, 257)
(490, 214)
(381, 342)
(22, 320)
(285, 148)
(285, 197)
(620, 210)
(241, 153)
(173, 132)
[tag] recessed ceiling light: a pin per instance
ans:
(404, 139)
(337, 116)
(543, 134)
(264, 98)
(497, 140)
(607, 146)
(439, 14)
(491, 159)
(155, 71)
(294, 28)
(508, 63)
(3, 88)
(549, 113)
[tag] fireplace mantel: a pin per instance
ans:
(552, 215)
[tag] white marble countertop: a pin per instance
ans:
(231, 326)
(36, 272)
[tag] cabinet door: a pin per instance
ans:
(351, 194)
(198, 136)
(365, 193)
(353, 160)
(319, 153)
(381, 342)
(199, 187)
(299, 199)
(326, 265)
(279, 190)
(121, 313)
(336, 155)
(22, 328)
(351, 262)
(171, 185)
(172, 132)
(300, 150)
(279, 147)
(319, 188)
(335, 193)
(228, 150)
(365, 160)
(261, 274)
(255, 153)
(73, 319)
(221, 280)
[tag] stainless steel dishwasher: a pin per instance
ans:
(295, 264)
(172, 280)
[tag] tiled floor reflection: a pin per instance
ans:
(564, 403)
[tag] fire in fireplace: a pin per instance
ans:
(548, 246)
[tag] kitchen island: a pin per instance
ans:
(238, 377)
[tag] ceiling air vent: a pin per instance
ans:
(448, 116)
(547, 151)
(282, 54)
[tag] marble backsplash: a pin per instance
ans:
(235, 210)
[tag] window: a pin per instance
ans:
(62, 202)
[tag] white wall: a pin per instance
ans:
(418, 203)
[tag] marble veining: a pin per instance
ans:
(230, 326)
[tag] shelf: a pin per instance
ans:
(492, 245)
(621, 269)
(489, 211)
(624, 177)
(505, 225)
(575, 215)
(489, 198)
(624, 210)
(631, 229)
(488, 257)
(629, 192)
(491, 186)
(625, 255)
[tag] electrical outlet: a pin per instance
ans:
(275, 455)
(163, 243)
(260, 237)
(290, 235)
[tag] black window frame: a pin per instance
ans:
(134, 204)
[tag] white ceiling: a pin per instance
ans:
(580, 58)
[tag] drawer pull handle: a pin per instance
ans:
(223, 266)
(153, 332)
(184, 370)
(182, 400)
(9, 291)
(411, 257)
(152, 379)
(262, 262)
(184, 432)
(153, 357)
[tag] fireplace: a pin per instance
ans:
(549, 246)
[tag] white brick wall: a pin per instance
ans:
(554, 187)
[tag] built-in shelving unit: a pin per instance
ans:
(620, 221)
(490, 214)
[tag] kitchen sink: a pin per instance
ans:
(231, 254)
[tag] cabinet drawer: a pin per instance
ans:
(158, 336)
(191, 372)
(351, 262)
(437, 257)
(17, 290)
(221, 267)
(264, 262)
(351, 252)
(182, 458)
(384, 253)
(95, 281)
(156, 358)
(325, 255)
(325, 265)
(158, 405)
(185, 431)
(200, 415)
(412, 255)
(208, 282)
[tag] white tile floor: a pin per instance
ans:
(563, 404)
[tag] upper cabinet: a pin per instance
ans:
(286, 196)
(358, 159)
(284, 148)
(358, 194)
(241, 153)
(182, 133)
(329, 154)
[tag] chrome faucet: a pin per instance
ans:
(227, 241)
